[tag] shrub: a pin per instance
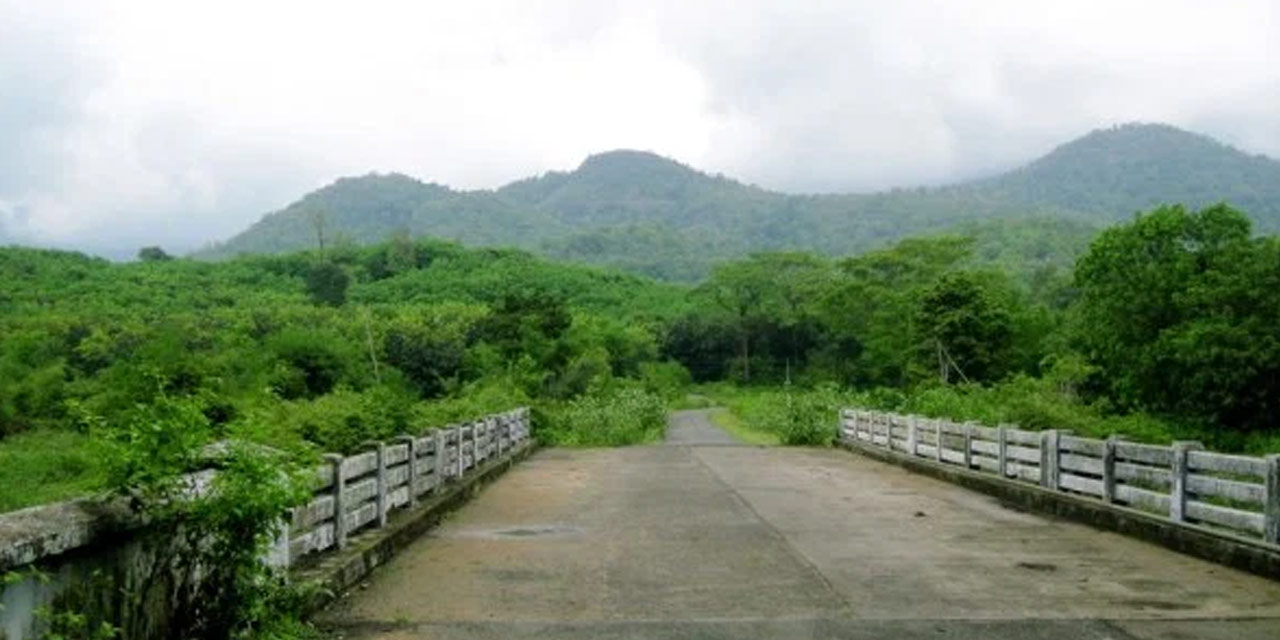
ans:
(628, 415)
(316, 362)
(327, 284)
(667, 379)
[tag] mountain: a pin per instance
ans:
(645, 213)
(1115, 172)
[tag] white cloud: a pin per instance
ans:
(177, 122)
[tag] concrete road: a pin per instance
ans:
(707, 538)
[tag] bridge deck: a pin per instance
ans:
(706, 539)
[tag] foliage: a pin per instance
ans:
(46, 465)
(72, 625)
(794, 416)
(1181, 311)
(971, 333)
(730, 422)
(434, 333)
(208, 536)
(153, 254)
(327, 283)
(624, 415)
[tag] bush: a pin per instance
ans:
(327, 284)
(796, 416)
(667, 379)
(628, 415)
(316, 362)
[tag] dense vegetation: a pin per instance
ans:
(308, 352)
(650, 215)
(1165, 326)
(1169, 326)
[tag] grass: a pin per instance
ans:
(692, 401)
(790, 415)
(39, 467)
(618, 417)
(727, 420)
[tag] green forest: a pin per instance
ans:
(1166, 326)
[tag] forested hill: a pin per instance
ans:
(649, 214)
(1118, 171)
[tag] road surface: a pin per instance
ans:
(703, 537)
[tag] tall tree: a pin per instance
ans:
(740, 289)
(1181, 312)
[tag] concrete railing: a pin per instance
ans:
(360, 490)
(80, 543)
(1181, 482)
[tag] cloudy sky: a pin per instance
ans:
(124, 123)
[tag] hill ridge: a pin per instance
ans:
(590, 212)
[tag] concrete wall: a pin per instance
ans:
(96, 558)
(1220, 507)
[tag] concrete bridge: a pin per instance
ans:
(703, 537)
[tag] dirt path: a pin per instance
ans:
(703, 538)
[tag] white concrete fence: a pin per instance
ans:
(1182, 481)
(364, 488)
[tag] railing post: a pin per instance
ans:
(937, 439)
(457, 451)
(501, 433)
(911, 435)
(278, 556)
(1002, 450)
(1178, 496)
(1049, 459)
(438, 457)
(1271, 524)
(339, 500)
(1109, 470)
(968, 445)
(488, 437)
(411, 445)
(380, 454)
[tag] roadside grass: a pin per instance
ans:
(791, 415)
(44, 466)
(725, 419)
(692, 401)
(618, 417)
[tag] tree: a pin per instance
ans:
(1181, 313)
(965, 330)
(740, 288)
(526, 323)
(327, 283)
(870, 311)
(153, 254)
(429, 360)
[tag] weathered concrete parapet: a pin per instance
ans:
(35, 533)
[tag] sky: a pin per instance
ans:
(126, 123)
